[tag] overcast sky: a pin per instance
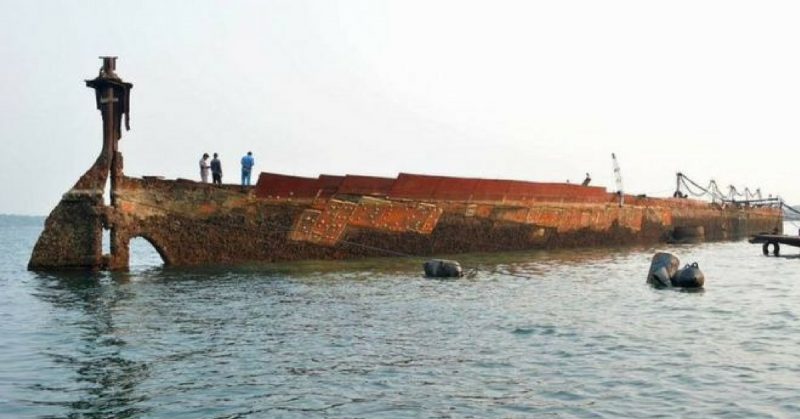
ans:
(540, 91)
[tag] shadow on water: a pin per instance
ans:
(513, 263)
(697, 291)
(526, 264)
(105, 380)
(783, 256)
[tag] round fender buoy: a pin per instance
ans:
(689, 277)
(776, 248)
(659, 277)
(441, 268)
(663, 266)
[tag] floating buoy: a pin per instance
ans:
(665, 273)
(689, 277)
(776, 248)
(442, 268)
(663, 267)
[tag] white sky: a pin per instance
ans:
(540, 91)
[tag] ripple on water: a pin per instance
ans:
(575, 334)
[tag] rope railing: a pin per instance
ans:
(712, 191)
(790, 208)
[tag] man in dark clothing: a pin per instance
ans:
(216, 170)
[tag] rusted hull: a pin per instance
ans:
(287, 218)
(195, 224)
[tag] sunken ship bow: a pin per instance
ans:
(285, 218)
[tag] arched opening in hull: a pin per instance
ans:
(106, 241)
(145, 253)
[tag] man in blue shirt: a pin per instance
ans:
(247, 167)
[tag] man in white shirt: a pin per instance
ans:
(204, 168)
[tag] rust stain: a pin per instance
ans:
(206, 209)
(304, 226)
(332, 222)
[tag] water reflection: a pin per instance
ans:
(143, 255)
(582, 335)
(105, 379)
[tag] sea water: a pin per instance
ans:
(572, 333)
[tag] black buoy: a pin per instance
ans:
(442, 268)
(776, 248)
(665, 273)
(689, 277)
(662, 268)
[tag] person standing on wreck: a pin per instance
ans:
(204, 168)
(247, 167)
(216, 170)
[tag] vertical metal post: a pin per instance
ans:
(112, 101)
(618, 180)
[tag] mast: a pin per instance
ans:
(73, 234)
(618, 179)
(112, 96)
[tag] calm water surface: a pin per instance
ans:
(569, 334)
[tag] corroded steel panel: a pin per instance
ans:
(658, 215)
(396, 217)
(483, 210)
(332, 222)
(545, 216)
(534, 191)
(408, 186)
(631, 219)
(490, 190)
(569, 219)
(456, 189)
(304, 225)
(366, 185)
(434, 213)
(512, 214)
(521, 191)
(277, 186)
(442, 188)
(329, 185)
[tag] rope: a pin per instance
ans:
(689, 189)
(749, 195)
(716, 193)
(790, 208)
(712, 190)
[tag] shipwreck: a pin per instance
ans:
(286, 218)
